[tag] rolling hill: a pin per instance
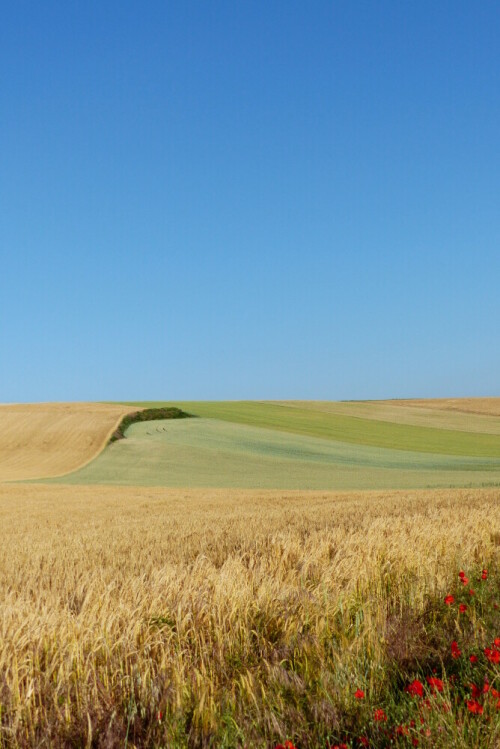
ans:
(50, 439)
(300, 446)
(251, 444)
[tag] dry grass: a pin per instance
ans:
(38, 440)
(485, 406)
(240, 615)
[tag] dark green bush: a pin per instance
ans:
(148, 414)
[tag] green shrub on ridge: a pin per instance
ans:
(148, 414)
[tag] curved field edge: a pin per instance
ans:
(146, 414)
(56, 432)
(105, 442)
(51, 440)
(342, 427)
(214, 453)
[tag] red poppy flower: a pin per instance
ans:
(496, 642)
(465, 580)
(359, 694)
(455, 650)
(402, 730)
(414, 742)
(462, 608)
(476, 692)
(416, 688)
(461, 573)
(449, 600)
(472, 592)
(474, 707)
(495, 692)
(363, 740)
(435, 684)
(473, 658)
(492, 654)
(486, 687)
(379, 715)
(484, 574)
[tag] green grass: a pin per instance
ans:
(214, 453)
(343, 428)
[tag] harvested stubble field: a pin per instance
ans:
(226, 618)
(51, 439)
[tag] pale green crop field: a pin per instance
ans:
(414, 415)
(210, 452)
(343, 427)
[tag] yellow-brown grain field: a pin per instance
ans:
(38, 440)
(162, 617)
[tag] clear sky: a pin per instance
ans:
(211, 200)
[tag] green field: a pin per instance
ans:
(411, 414)
(344, 428)
(217, 451)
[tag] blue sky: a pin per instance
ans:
(249, 200)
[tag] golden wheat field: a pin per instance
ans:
(484, 406)
(39, 440)
(194, 618)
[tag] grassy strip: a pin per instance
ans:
(147, 414)
(343, 428)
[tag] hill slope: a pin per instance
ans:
(433, 414)
(50, 439)
(214, 453)
(308, 444)
(343, 422)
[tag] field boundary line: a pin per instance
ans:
(101, 448)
